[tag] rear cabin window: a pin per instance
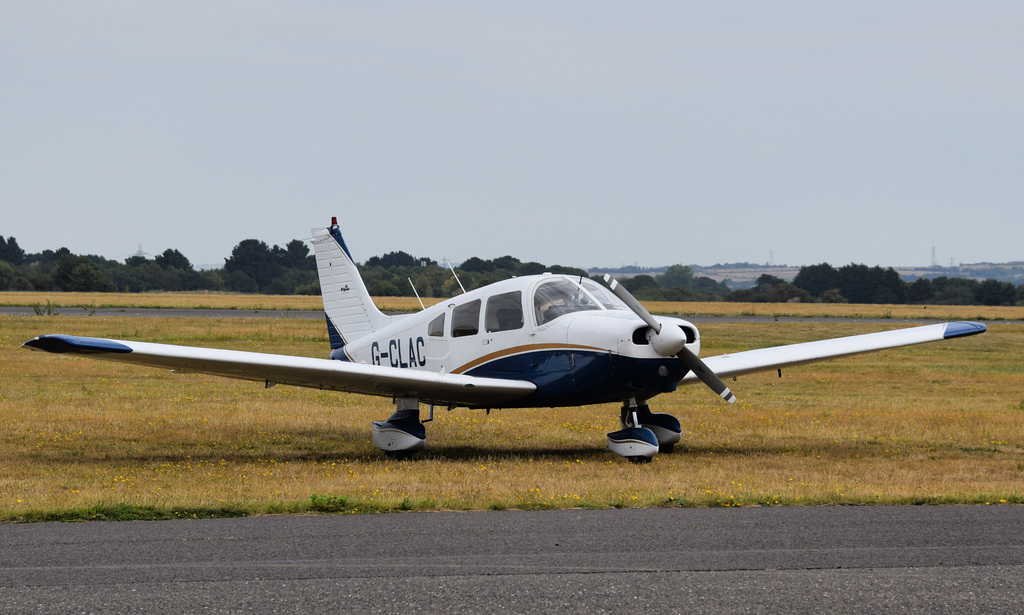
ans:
(436, 327)
(504, 312)
(466, 319)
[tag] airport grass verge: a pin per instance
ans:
(53, 302)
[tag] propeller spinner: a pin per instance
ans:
(668, 341)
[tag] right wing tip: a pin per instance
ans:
(963, 329)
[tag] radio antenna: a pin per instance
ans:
(456, 277)
(422, 307)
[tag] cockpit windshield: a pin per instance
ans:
(560, 296)
(605, 296)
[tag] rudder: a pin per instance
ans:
(348, 307)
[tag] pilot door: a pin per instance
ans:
(435, 345)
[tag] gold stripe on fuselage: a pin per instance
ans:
(507, 352)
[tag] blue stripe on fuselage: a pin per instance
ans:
(568, 377)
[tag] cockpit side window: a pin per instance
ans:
(558, 297)
(504, 312)
(436, 327)
(466, 319)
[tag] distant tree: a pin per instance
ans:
(173, 258)
(296, 256)
(744, 295)
(79, 274)
(833, 295)
(476, 265)
(7, 275)
(211, 279)
(508, 263)
(855, 283)
(920, 291)
(47, 257)
(955, 291)
(240, 282)
(11, 252)
(994, 292)
(253, 258)
(639, 283)
(290, 280)
(531, 268)
(889, 287)
(770, 289)
(816, 279)
(429, 281)
(710, 287)
(676, 276)
(786, 292)
(562, 270)
(383, 288)
(767, 282)
(135, 260)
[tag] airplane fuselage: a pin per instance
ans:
(577, 345)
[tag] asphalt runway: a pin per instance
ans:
(949, 559)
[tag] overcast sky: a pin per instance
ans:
(579, 133)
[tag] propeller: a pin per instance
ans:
(668, 341)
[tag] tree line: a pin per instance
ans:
(255, 267)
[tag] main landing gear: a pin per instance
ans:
(402, 434)
(644, 433)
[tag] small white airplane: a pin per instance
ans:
(533, 341)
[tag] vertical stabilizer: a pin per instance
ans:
(350, 311)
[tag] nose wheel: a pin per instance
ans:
(644, 433)
(667, 428)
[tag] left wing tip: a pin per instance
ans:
(963, 329)
(77, 345)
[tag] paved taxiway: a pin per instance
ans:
(948, 559)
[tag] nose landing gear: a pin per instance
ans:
(644, 433)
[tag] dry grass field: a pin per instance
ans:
(79, 439)
(227, 301)
(216, 301)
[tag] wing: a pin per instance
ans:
(797, 354)
(299, 371)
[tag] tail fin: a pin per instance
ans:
(350, 311)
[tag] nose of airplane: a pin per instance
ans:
(667, 342)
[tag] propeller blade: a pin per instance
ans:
(627, 298)
(689, 359)
(708, 377)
